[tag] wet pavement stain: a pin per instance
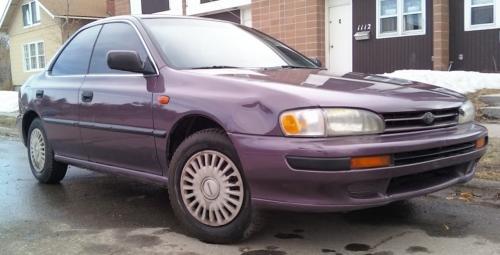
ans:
(288, 236)
(328, 251)
(162, 231)
(357, 247)
(143, 240)
(264, 252)
(381, 253)
(417, 249)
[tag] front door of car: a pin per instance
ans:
(58, 90)
(116, 106)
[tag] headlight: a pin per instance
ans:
(308, 122)
(467, 112)
(353, 122)
(330, 122)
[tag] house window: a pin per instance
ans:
(400, 18)
(202, 7)
(153, 6)
(481, 14)
(31, 14)
(34, 56)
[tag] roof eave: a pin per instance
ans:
(5, 13)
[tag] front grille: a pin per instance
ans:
(411, 157)
(413, 121)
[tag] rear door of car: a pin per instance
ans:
(116, 106)
(57, 94)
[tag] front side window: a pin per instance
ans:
(74, 59)
(31, 14)
(400, 18)
(481, 14)
(34, 56)
(214, 44)
(112, 38)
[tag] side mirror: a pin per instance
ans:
(316, 61)
(126, 60)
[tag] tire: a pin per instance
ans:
(211, 225)
(41, 156)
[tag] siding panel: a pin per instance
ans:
(480, 49)
(389, 54)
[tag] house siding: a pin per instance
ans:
(480, 49)
(389, 54)
(48, 31)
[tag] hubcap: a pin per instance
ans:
(37, 149)
(212, 188)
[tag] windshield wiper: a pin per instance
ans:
(214, 67)
(291, 67)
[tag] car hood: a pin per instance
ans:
(356, 90)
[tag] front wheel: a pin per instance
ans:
(41, 157)
(208, 191)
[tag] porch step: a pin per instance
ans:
(491, 100)
(492, 112)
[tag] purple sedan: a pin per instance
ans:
(234, 123)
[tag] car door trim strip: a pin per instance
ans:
(108, 127)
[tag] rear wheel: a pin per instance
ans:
(41, 157)
(208, 191)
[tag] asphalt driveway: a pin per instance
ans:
(91, 213)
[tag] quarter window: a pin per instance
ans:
(481, 14)
(31, 14)
(74, 59)
(109, 39)
(400, 18)
(34, 56)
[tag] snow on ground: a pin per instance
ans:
(460, 81)
(8, 102)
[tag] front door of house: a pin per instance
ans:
(340, 30)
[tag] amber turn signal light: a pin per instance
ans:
(163, 99)
(481, 142)
(370, 162)
(290, 124)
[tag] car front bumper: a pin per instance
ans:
(274, 184)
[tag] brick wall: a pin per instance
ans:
(441, 34)
(298, 23)
(122, 7)
(110, 7)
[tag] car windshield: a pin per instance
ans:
(198, 44)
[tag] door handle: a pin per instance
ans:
(87, 96)
(39, 93)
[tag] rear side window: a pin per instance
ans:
(75, 57)
(115, 36)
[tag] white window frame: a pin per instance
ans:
(37, 54)
(30, 16)
(195, 7)
(467, 16)
(400, 26)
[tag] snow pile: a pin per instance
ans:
(460, 81)
(8, 101)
